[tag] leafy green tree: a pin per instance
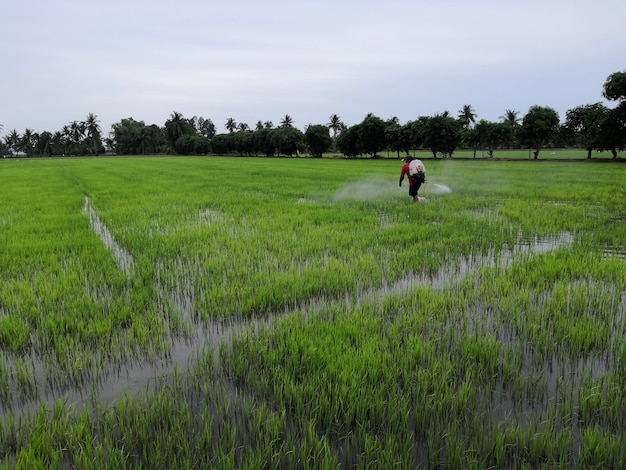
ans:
(512, 120)
(43, 145)
(372, 135)
(349, 141)
(192, 145)
(264, 141)
(492, 135)
(394, 137)
(201, 145)
(130, 137)
(288, 140)
(415, 132)
(469, 137)
(243, 142)
(585, 123)
(613, 131)
(539, 127)
(442, 134)
(614, 88)
(204, 127)
(317, 139)
(222, 144)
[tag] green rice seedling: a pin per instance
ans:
(402, 333)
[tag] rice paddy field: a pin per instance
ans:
(302, 313)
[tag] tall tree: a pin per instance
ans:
(394, 136)
(614, 88)
(585, 123)
(372, 135)
(27, 142)
(94, 133)
(317, 138)
(288, 140)
(349, 141)
(177, 126)
(43, 146)
(230, 125)
(11, 139)
(613, 132)
(467, 115)
(539, 126)
(511, 116)
(77, 134)
(204, 127)
(336, 125)
(287, 121)
(264, 141)
(442, 134)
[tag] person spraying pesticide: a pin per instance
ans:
(415, 171)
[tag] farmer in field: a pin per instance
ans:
(415, 172)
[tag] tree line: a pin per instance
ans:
(591, 127)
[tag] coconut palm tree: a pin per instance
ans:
(286, 122)
(335, 125)
(94, 133)
(467, 115)
(77, 134)
(231, 125)
(511, 116)
(242, 126)
(512, 122)
(27, 141)
(175, 127)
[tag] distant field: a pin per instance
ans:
(517, 154)
(214, 312)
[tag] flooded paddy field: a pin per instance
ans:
(158, 313)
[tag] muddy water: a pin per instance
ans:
(124, 258)
(141, 376)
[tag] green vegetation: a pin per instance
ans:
(302, 313)
(589, 127)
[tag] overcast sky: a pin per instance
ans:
(260, 60)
